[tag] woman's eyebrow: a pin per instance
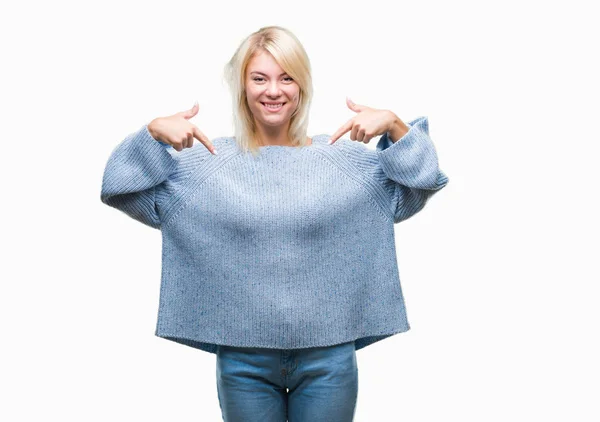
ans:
(254, 71)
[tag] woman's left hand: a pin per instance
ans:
(368, 123)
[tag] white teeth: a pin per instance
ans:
(273, 106)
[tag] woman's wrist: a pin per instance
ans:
(397, 129)
(152, 130)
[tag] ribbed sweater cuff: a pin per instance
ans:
(150, 156)
(412, 160)
(139, 163)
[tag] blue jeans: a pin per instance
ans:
(253, 383)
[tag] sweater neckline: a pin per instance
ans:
(316, 140)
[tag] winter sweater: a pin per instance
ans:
(293, 248)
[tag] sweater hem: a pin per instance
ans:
(211, 346)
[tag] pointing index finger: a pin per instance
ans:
(342, 130)
(204, 140)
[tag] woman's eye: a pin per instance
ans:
(258, 79)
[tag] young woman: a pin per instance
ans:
(278, 248)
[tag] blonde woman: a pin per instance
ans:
(278, 248)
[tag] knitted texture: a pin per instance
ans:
(293, 248)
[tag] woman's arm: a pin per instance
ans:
(135, 168)
(411, 163)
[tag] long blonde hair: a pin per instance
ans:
(289, 53)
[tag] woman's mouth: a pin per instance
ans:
(273, 108)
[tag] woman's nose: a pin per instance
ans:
(273, 89)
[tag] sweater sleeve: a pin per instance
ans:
(135, 170)
(411, 163)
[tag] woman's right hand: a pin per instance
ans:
(178, 132)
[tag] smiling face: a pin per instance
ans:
(272, 95)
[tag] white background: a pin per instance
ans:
(497, 270)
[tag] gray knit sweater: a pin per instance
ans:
(293, 248)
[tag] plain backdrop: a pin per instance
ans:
(498, 270)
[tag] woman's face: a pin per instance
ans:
(266, 82)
